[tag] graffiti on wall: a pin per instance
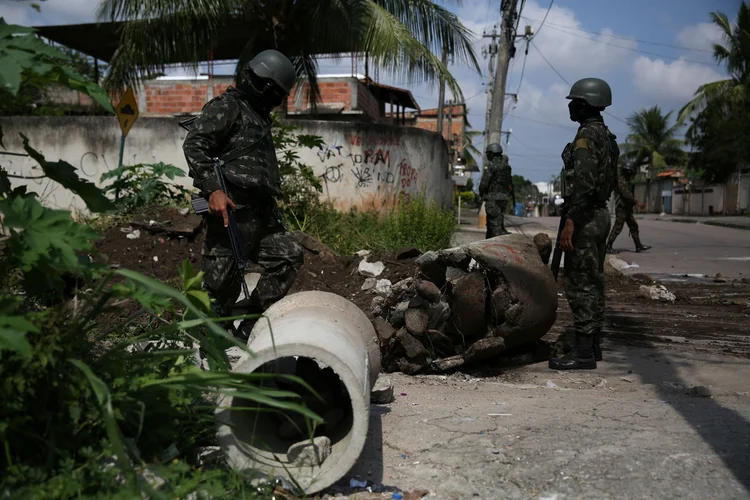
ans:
(367, 163)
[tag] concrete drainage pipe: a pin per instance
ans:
(326, 340)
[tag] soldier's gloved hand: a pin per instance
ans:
(218, 203)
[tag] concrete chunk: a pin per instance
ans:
(309, 454)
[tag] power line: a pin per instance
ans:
(568, 83)
(541, 122)
(550, 64)
(632, 49)
(523, 68)
(658, 44)
(543, 20)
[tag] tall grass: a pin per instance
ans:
(416, 223)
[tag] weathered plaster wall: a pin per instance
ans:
(363, 166)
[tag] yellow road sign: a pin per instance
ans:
(127, 111)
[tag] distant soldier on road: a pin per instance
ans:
(496, 189)
(239, 121)
(590, 176)
(624, 211)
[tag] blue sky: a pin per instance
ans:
(652, 52)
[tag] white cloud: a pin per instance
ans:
(674, 81)
(52, 12)
(699, 36)
(572, 52)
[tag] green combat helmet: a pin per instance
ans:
(594, 91)
(275, 66)
(494, 149)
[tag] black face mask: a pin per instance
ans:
(577, 110)
(263, 93)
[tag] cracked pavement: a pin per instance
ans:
(630, 429)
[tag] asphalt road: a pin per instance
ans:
(677, 248)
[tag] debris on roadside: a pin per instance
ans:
(466, 304)
(656, 292)
(370, 269)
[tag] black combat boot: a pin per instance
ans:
(639, 247)
(611, 250)
(569, 340)
(582, 358)
(597, 347)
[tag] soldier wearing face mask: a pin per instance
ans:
(590, 176)
(239, 121)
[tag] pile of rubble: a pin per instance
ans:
(465, 304)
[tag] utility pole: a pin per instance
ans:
(504, 54)
(490, 51)
(441, 97)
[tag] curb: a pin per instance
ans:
(730, 225)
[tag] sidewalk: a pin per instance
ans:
(733, 221)
(524, 225)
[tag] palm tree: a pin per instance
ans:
(735, 54)
(399, 36)
(651, 139)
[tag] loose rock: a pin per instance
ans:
(370, 269)
(383, 330)
(428, 290)
(383, 288)
(309, 454)
(657, 292)
(369, 284)
(382, 391)
(544, 245)
(416, 320)
(377, 306)
(397, 316)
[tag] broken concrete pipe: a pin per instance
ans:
(471, 302)
(328, 342)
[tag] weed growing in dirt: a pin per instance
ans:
(144, 184)
(414, 223)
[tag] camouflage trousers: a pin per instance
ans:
(584, 273)
(495, 217)
(623, 216)
(266, 243)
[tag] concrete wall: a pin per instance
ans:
(706, 200)
(367, 166)
(364, 166)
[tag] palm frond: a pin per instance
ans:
(393, 48)
(435, 27)
(705, 94)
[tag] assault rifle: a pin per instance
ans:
(200, 204)
(557, 255)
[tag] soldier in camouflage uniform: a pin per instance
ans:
(624, 211)
(590, 176)
(235, 120)
(495, 188)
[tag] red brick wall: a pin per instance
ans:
(169, 98)
(330, 92)
(456, 127)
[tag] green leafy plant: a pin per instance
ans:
(144, 184)
(84, 411)
(299, 184)
(27, 59)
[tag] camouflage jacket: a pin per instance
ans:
(226, 124)
(497, 180)
(591, 171)
(625, 198)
